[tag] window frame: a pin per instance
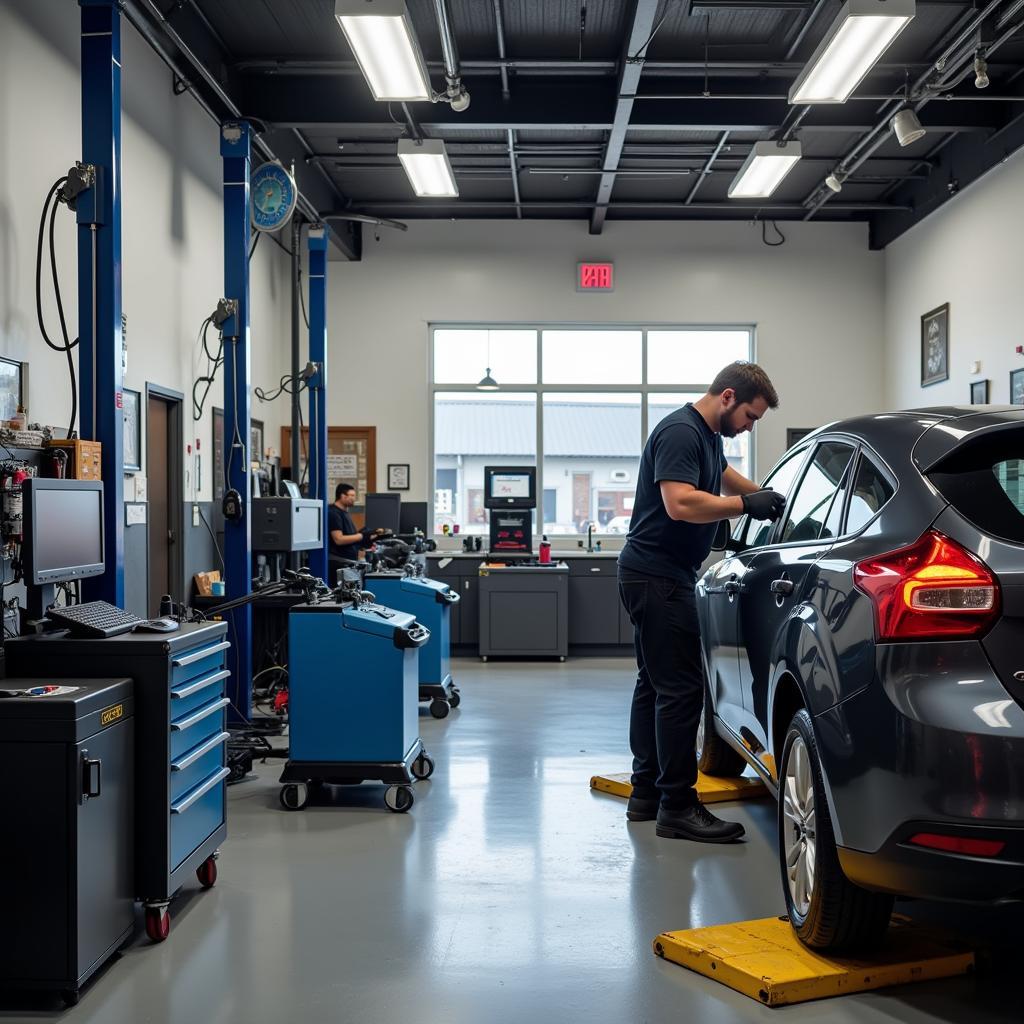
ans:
(539, 389)
(783, 520)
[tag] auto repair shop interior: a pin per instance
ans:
(361, 424)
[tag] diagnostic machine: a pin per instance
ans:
(510, 494)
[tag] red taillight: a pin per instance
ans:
(959, 844)
(934, 589)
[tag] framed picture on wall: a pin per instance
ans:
(398, 476)
(797, 434)
(1017, 387)
(256, 440)
(12, 387)
(131, 407)
(935, 346)
(979, 392)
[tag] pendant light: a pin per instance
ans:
(487, 382)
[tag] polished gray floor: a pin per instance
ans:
(510, 893)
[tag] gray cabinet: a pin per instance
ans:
(469, 591)
(461, 574)
(593, 601)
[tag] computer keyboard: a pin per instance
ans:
(94, 619)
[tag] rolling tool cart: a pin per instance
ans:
(181, 803)
(431, 602)
(354, 700)
(66, 851)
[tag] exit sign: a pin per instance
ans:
(595, 277)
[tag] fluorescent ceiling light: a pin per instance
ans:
(426, 164)
(382, 39)
(762, 172)
(861, 33)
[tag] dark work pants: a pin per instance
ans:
(669, 694)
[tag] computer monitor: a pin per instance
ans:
(412, 516)
(63, 530)
(510, 487)
(383, 511)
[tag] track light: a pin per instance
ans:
(763, 170)
(862, 32)
(426, 164)
(907, 126)
(834, 182)
(381, 35)
(980, 72)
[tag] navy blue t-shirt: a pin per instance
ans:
(685, 449)
(339, 519)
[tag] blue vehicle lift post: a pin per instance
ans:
(317, 241)
(235, 149)
(98, 212)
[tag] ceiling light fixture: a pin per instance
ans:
(487, 382)
(834, 182)
(381, 35)
(907, 127)
(981, 80)
(426, 164)
(763, 170)
(861, 33)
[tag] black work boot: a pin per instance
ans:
(642, 808)
(697, 823)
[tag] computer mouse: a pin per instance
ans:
(162, 625)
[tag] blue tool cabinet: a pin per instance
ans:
(180, 745)
(431, 601)
(353, 700)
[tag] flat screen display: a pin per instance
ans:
(510, 485)
(67, 531)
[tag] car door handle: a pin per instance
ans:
(782, 587)
(733, 587)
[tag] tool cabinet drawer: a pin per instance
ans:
(196, 815)
(194, 693)
(197, 662)
(195, 725)
(197, 764)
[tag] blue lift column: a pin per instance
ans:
(98, 211)
(318, 388)
(235, 149)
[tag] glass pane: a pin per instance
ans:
(757, 531)
(472, 431)
(870, 492)
(810, 507)
(693, 357)
(737, 449)
(462, 356)
(592, 357)
(591, 456)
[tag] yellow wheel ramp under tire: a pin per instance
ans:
(766, 961)
(710, 789)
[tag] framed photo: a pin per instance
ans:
(796, 434)
(131, 407)
(12, 387)
(1017, 387)
(256, 440)
(979, 392)
(935, 346)
(398, 476)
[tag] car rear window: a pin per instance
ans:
(870, 492)
(984, 481)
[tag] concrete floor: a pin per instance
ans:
(510, 893)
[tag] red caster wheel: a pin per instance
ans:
(158, 923)
(207, 873)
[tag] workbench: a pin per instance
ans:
(524, 610)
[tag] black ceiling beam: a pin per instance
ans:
(641, 29)
(962, 161)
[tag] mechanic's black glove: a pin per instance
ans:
(766, 504)
(368, 537)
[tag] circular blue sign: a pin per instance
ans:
(274, 195)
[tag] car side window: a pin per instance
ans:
(871, 490)
(756, 532)
(812, 503)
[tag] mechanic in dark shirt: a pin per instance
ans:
(345, 540)
(678, 505)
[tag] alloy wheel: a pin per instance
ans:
(799, 838)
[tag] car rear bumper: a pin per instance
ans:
(909, 870)
(936, 744)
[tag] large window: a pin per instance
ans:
(578, 402)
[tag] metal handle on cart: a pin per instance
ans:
(415, 635)
(448, 596)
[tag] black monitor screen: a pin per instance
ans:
(65, 531)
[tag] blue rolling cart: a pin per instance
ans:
(431, 602)
(354, 699)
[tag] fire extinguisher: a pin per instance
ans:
(13, 502)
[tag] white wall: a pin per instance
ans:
(172, 239)
(816, 301)
(966, 254)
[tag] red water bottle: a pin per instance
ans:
(545, 550)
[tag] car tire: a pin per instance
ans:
(827, 911)
(714, 755)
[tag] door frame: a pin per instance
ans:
(175, 478)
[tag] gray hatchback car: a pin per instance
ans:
(865, 654)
